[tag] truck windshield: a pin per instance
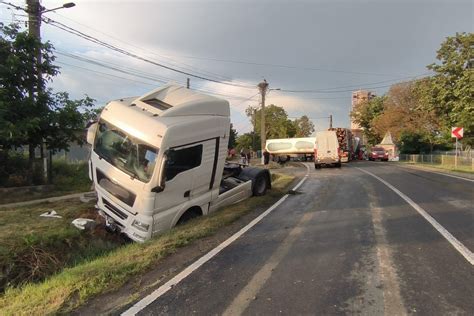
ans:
(125, 152)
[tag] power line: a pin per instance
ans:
(236, 97)
(115, 67)
(124, 52)
(287, 66)
(331, 91)
(97, 41)
(104, 73)
(189, 67)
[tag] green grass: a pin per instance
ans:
(33, 247)
(73, 286)
(464, 169)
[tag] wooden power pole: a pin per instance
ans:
(263, 86)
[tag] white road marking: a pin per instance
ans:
(147, 300)
(304, 179)
(463, 250)
(440, 173)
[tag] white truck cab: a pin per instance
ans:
(159, 159)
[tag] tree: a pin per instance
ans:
(29, 113)
(304, 127)
(277, 124)
(23, 113)
(365, 114)
(452, 87)
(66, 121)
(248, 140)
(232, 137)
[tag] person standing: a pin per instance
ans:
(266, 157)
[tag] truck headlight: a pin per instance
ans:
(140, 226)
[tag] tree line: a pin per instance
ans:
(419, 114)
(277, 125)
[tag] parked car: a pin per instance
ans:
(378, 153)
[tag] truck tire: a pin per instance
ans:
(260, 186)
(317, 166)
(257, 175)
(338, 165)
(193, 212)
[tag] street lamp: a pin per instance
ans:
(64, 6)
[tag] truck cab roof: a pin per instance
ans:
(150, 115)
(175, 100)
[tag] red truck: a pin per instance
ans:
(378, 153)
(346, 143)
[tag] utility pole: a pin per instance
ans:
(330, 120)
(35, 11)
(254, 116)
(263, 86)
(187, 82)
(34, 30)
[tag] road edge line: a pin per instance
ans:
(463, 250)
(147, 300)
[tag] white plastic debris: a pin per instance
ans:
(84, 223)
(51, 213)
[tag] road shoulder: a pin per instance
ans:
(465, 175)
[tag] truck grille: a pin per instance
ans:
(115, 189)
(114, 210)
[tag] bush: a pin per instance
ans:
(66, 176)
(71, 176)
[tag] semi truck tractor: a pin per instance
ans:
(160, 159)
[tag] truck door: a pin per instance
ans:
(180, 166)
(205, 173)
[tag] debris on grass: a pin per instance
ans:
(51, 213)
(84, 223)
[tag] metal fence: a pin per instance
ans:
(464, 161)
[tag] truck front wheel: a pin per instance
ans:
(193, 212)
(260, 186)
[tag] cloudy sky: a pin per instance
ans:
(328, 47)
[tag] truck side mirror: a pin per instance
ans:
(91, 133)
(161, 177)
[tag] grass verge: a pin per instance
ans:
(462, 169)
(73, 286)
(33, 247)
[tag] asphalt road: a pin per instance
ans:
(345, 244)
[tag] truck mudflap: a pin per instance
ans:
(254, 174)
